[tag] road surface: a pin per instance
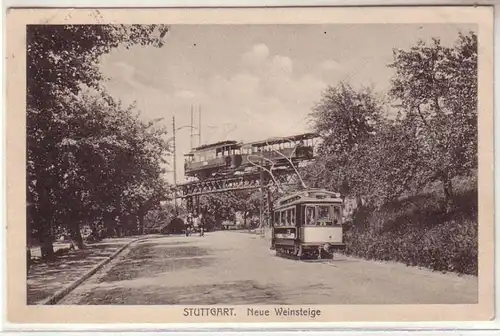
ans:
(228, 267)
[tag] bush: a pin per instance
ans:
(175, 226)
(416, 231)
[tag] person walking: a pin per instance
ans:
(202, 229)
(188, 224)
(202, 225)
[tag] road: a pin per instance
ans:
(228, 267)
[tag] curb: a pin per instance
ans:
(65, 291)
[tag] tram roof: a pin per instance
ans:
(217, 145)
(313, 195)
(278, 140)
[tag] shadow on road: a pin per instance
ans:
(238, 292)
(150, 260)
(46, 278)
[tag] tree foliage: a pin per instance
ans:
(347, 120)
(433, 137)
(437, 88)
(88, 157)
(405, 164)
(224, 206)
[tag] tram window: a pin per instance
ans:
(310, 215)
(323, 212)
(283, 218)
(292, 217)
(277, 218)
(337, 215)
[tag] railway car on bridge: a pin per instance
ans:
(228, 157)
(278, 151)
(213, 160)
(308, 224)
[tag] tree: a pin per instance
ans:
(224, 206)
(437, 88)
(61, 59)
(347, 120)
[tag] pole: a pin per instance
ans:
(261, 207)
(191, 127)
(199, 125)
(270, 207)
(175, 167)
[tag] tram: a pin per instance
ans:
(229, 157)
(279, 150)
(308, 224)
(211, 160)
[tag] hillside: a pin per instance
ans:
(416, 231)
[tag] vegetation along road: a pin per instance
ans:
(230, 267)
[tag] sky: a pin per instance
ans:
(253, 82)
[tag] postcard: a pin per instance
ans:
(250, 165)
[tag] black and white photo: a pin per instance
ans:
(279, 167)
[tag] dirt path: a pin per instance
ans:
(238, 268)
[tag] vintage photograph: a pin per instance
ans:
(286, 165)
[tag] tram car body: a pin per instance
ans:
(213, 160)
(308, 224)
(229, 157)
(275, 151)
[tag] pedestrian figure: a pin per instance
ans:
(188, 225)
(202, 231)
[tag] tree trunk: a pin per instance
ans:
(448, 192)
(29, 232)
(28, 257)
(45, 217)
(359, 203)
(245, 220)
(46, 240)
(76, 234)
(140, 219)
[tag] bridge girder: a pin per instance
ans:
(247, 181)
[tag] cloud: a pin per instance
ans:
(185, 94)
(282, 64)
(256, 56)
(125, 73)
(330, 65)
(264, 98)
